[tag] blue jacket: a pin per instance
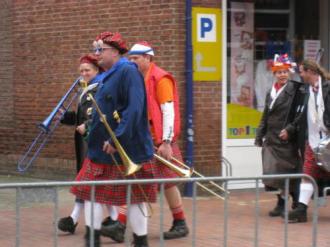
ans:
(121, 89)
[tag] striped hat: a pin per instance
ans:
(140, 48)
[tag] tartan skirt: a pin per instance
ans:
(166, 172)
(115, 194)
(310, 166)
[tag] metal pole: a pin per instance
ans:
(256, 229)
(18, 216)
(189, 97)
(161, 215)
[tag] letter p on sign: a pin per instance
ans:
(206, 28)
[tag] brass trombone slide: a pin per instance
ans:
(185, 173)
(210, 191)
(198, 174)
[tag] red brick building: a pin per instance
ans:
(41, 42)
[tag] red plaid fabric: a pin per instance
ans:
(310, 166)
(164, 171)
(115, 194)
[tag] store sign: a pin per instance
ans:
(206, 28)
(207, 44)
(242, 122)
(311, 48)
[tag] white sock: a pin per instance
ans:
(76, 211)
(98, 215)
(113, 212)
(137, 219)
(306, 192)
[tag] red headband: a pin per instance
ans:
(91, 59)
(113, 39)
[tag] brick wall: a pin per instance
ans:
(39, 58)
(207, 117)
(6, 75)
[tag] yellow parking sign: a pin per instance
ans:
(206, 32)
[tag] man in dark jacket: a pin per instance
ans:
(314, 126)
(277, 132)
(120, 92)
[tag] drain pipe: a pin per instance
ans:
(189, 158)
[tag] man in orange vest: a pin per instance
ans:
(164, 121)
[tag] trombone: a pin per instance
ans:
(46, 130)
(193, 171)
(185, 173)
(203, 186)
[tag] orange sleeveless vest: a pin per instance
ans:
(154, 110)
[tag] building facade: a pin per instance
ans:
(256, 31)
(41, 42)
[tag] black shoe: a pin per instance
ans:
(179, 229)
(108, 221)
(114, 230)
(295, 199)
(140, 241)
(277, 211)
(66, 225)
(279, 208)
(294, 205)
(97, 238)
(299, 214)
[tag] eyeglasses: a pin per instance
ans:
(99, 50)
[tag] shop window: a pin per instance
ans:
(257, 30)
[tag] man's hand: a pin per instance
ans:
(59, 115)
(284, 135)
(81, 129)
(165, 150)
(108, 148)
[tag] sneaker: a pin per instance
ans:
(299, 214)
(66, 225)
(179, 229)
(115, 230)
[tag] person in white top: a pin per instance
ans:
(314, 126)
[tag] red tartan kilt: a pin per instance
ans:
(310, 166)
(164, 171)
(115, 194)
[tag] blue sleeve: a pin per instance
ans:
(133, 93)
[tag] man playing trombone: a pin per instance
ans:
(121, 91)
(164, 121)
